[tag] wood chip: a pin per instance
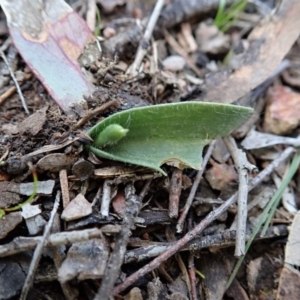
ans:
(85, 260)
(9, 222)
(79, 207)
(34, 123)
(282, 111)
(56, 162)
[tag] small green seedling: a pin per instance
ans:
(226, 18)
(110, 136)
(168, 133)
(29, 200)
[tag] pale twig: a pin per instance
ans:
(200, 227)
(223, 239)
(113, 267)
(106, 198)
(243, 166)
(194, 187)
(22, 244)
(39, 250)
(145, 41)
(15, 81)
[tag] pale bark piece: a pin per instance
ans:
(77, 208)
(269, 41)
(85, 260)
(289, 284)
(50, 37)
(43, 188)
(257, 140)
(56, 162)
(211, 40)
(9, 222)
(33, 124)
(108, 6)
(34, 221)
(134, 294)
(282, 111)
(292, 250)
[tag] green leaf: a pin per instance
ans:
(168, 133)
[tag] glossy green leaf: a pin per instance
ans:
(168, 133)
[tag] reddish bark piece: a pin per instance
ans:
(282, 112)
(119, 204)
(221, 175)
(50, 37)
(79, 207)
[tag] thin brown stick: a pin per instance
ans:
(93, 113)
(175, 192)
(112, 270)
(7, 94)
(192, 275)
(199, 228)
(194, 187)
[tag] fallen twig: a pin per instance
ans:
(219, 240)
(39, 250)
(194, 187)
(112, 270)
(242, 166)
(145, 41)
(199, 228)
(175, 191)
(106, 198)
(22, 244)
(93, 113)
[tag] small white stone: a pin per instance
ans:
(174, 63)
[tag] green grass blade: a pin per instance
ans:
(220, 13)
(278, 195)
(265, 215)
